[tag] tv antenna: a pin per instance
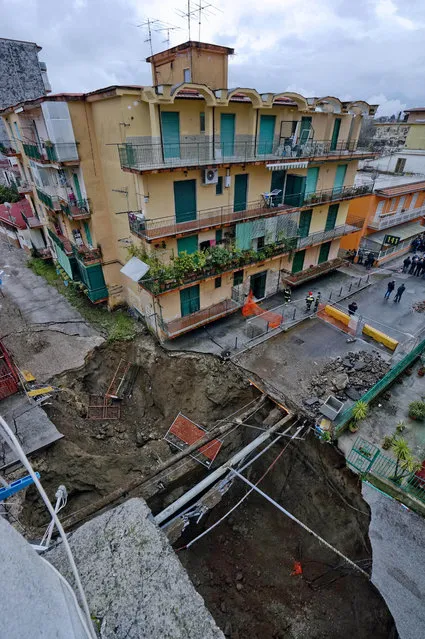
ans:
(167, 31)
(197, 10)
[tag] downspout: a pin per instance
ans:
(256, 133)
(213, 132)
(160, 132)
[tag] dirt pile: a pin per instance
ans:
(346, 377)
(97, 456)
(243, 568)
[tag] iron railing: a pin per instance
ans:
(313, 272)
(87, 255)
(77, 209)
(352, 226)
(176, 327)
(24, 187)
(333, 195)
(204, 152)
(45, 152)
(396, 217)
(51, 201)
(8, 148)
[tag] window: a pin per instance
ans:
(219, 186)
(219, 236)
(414, 200)
(260, 242)
(217, 282)
(203, 246)
(237, 278)
(202, 122)
(16, 129)
(401, 163)
(187, 76)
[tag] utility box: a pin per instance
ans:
(331, 408)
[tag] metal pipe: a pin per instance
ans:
(222, 470)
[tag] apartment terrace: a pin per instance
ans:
(159, 228)
(48, 153)
(139, 158)
(181, 325)
(85, 254)
(8, 149)
(398, 217)
(295, 279)
(76, 210)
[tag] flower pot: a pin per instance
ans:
(421, 372)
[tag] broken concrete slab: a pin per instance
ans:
(311, 401)
(135, 585)
(30, 424)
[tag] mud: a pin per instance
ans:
(97, 456)
(243, 567)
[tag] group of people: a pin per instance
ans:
(414, 265)
(365, 258)
(418, 244)
(310, 299)
(390, 289)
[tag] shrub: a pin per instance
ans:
(359, 411)
(387, 442)
(417, 410)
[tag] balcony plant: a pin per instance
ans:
(417, 411)
(359, 412)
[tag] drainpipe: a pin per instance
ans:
(213, 132)
(256, 133)
(160, 132)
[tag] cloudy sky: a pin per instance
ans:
(361, 49)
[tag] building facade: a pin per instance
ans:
(392, 217)
(390, 134)
(214, 191)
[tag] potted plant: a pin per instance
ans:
(421, 371)
(406, 464)
(387, 442)
(417, 411)
(401, 426)
(359, 412)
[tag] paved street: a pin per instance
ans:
(33, 312)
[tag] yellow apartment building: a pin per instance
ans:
(214, 191)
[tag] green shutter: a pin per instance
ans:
(241, 190)
(267, 127)
(227, 134)
(244, 236)
(331, 217)
(311, 182)
(187, 244)
(298, 262)
(335, 133)
(170, 126)
(295, 190)
(278, 182)
(88, 234)
(305, 221)
(93, 278)
(324, 252)
(185, 200)
(218, 236)
(189, 300)
(305, 129)
(341, 170)
(219, 186)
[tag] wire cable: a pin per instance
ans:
(12, 440)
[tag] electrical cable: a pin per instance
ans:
(187, 546)
(10, 437)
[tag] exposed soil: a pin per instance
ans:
(97, 456)
(243, 567)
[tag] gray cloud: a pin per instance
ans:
(352, 50)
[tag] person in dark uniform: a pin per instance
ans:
(352, 308)
(399, 293)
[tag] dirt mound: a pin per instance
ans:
(98, 456)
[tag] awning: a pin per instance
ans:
(282, 166)
(135, 269)
(403, 231)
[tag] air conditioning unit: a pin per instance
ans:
(210, 176)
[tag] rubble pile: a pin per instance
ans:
(419, 307)
(347, 377)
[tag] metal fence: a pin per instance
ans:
(381, 385)
(367, 459)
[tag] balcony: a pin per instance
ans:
(8, 149)
(217, 217)
(294, 279)
(352, 226)
(51, 201)
(177, 327)
(43, 253)
(86, 255)
(335, 195)
(24, 187)
(76, 210)
(153, 156)
(398, 217)
(51, 153)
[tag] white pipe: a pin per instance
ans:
(300, 523)
(210, 479)
(23, 458)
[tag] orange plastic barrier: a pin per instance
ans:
(251, 308)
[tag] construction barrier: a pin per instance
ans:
(337, 314)
(378, 336)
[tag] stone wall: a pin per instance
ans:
(20, 73)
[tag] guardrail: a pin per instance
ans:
(391, 219)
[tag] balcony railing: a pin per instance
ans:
(313, 272)
(46, 153)
(76, 210)
(398, 217)
(9, 149)
(334, 195)
(207, 218)
(87, 255)
(352, 226)
(43, 253)
(51, 201)
(141, 157)
(24, 187)
(177, 327)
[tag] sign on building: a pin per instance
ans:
(393, 240)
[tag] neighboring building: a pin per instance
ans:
(393, 216)
(21, 228)
(199, 165)
(390, 134)
(416, 121)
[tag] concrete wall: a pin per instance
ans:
(415, 162)
(416, 137)
(208, 67)
(20, 73)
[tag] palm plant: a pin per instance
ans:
(404, 459)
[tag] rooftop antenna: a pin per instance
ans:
(197, 10)
(167, 29)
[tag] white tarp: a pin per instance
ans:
(135, 269)
(279, 166)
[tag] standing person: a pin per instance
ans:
(406, 264)
(418, 267)
(360, 256)
(317, 301)
(413, 264)
(399, 293)
(287, 294)
(390, 288)
(309, 301)
(352, 308)
(369, 261)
